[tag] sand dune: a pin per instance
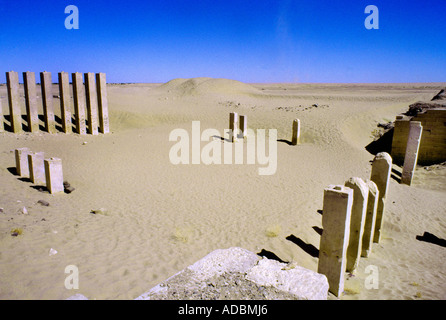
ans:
(161, 217)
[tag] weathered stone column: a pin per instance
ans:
(65, 102)
(2, 127)
(233, 125)
(79, 102)
(411, 155)
(337, 209)
(243, 126)
(101, 85)
(92, 103)
(357, 220)
(29, 82)
(54, 175)
(381, 169)
(21, 162)
(15, 112)
(46, 84)
(296, 132)
(37, 168)
(370, 218)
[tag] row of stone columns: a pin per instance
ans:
(351, 221)
(90, 102)
(40, 171)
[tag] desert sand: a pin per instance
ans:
(159, 218)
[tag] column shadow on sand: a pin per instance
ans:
(307, 247)
(431, 238)
(396, 173)
(270, 255)
(288, 142)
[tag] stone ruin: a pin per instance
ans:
(89, 100)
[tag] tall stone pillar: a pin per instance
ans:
(243, 126)
(2, 126)
(29, 81)
(381, 170)
(101, 85)
(411, 155)
(233, 125)
(369, 226)
(54, 175)
(46, 84)
(337, 209)
(15, 112)
(296, 132)
(65, 102)
(21, 162)
(79, 102)
(92, 103)
(36, 168)
(357, 220)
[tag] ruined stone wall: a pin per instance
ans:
(433, 140)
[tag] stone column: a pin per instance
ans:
(296, 132)
(2, 127)
(36, 168)
(243, 126)
(101, 85)
(65, 102)
(29, 81)
(357, 220)
(233, 125)
(337, 209)
(411, 155)
(54, 175)
(79, 102)
(370, 218)
(381, 169)
(21, 162)
(92, 103)
(46, 84)
(15, 112)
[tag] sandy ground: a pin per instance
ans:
(161, 217)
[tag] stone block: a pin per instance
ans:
(54, 175)
(101, 85)
(46, 84)
(411, 155)
(337, 208)
(21, 162)
(381, 170)
(29, 81)
(369, 226)
(357, 220)
(37, 168)
(92, 103)
(15, 112)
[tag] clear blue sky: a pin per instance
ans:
(249, 41)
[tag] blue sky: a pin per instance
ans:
(249, 41)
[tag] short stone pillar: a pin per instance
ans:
(37, 168)
(296, 132)
(29, 81)
(337, 209)
(381, 170)
(243, 126)
(21, 162)
(92, 103)
(46, 84)
(233, 125)
(54, 175)
(101, 85)
(65, 102)
(357, 220)
(370, 218)
(79, 102)
(15, 113)
(411, 155)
